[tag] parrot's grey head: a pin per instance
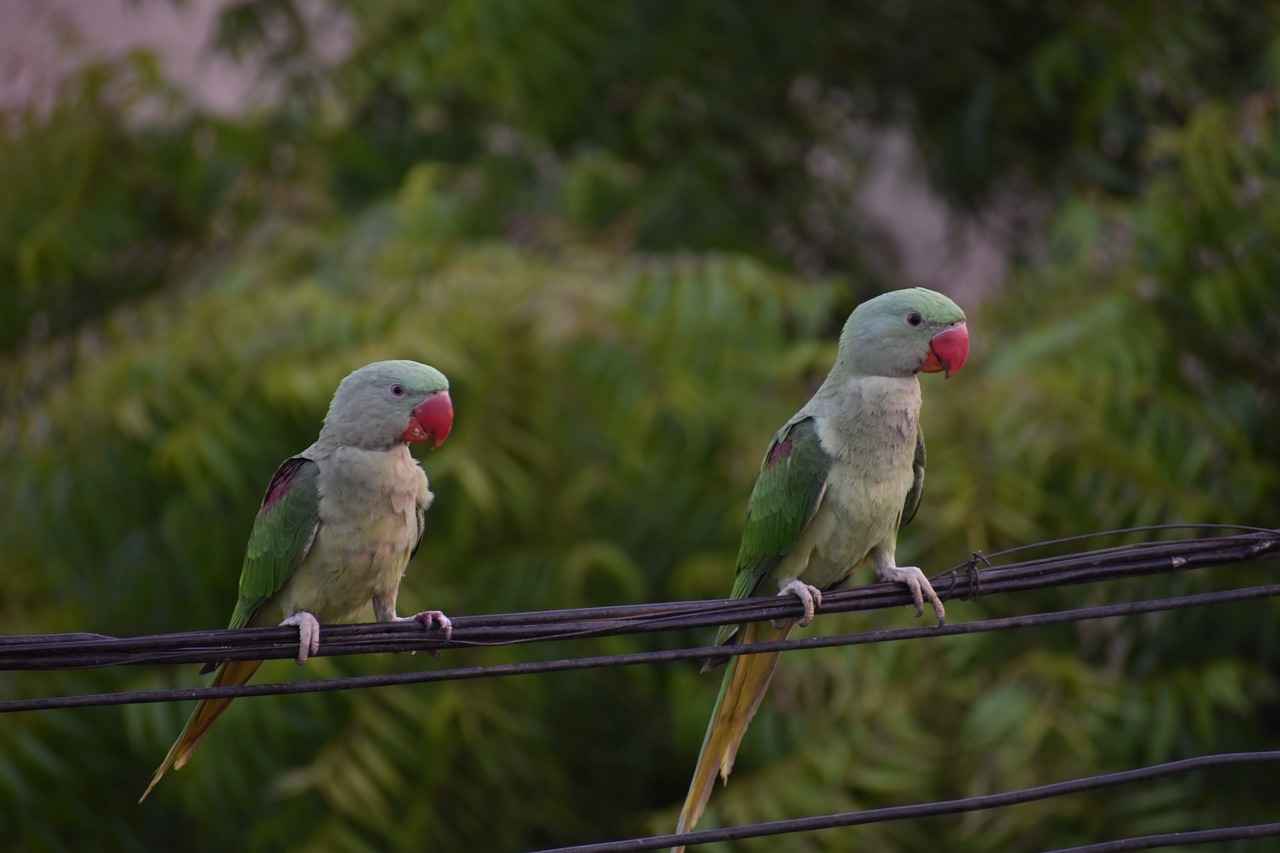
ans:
(388, 402)
(905, 332)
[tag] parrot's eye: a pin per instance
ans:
(397, 390)
(914, 319)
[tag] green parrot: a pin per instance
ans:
(338, 524)
(835, 485)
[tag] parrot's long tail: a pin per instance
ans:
(202, 718)
(745, 682)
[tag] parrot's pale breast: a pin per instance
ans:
(368, 528)
(869, 430)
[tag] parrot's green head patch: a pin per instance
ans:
(904, 332)
(388, 402)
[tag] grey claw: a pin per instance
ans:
(434, 618)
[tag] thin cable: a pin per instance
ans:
(701, 652)
(962, 582)
(923, 810)
(1171, 839)
(1146, 528)
(88, 650)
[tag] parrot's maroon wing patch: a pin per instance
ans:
(783, 446)
(780, 452)
(282, 480)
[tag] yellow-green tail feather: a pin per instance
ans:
(745, 682)
(203, 718)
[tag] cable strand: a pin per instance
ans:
(936, 809)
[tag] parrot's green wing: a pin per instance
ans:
(912, 502)
(282, 535)
(787, 493)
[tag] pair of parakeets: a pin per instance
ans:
(341, 519)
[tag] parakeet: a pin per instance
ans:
(338, 524)
(838, 480)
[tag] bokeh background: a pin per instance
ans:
(629, 234)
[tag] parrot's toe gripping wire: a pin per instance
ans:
(810, 596)
(433, 619)
(308, 634)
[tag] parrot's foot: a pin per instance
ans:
(435, 619)
(432, 619)
(810, 596)
(429, 619)
(914, 580)
(308, 634)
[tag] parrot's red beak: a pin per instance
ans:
(948, 350)
(431, 420)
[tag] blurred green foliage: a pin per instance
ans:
(759, 111)
(603, 223)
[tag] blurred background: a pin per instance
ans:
(629, 234)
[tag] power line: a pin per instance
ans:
(1170, 839)
(965, 581)
(695, 653)
(961, 806)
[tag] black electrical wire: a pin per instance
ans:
(1179, 839)
(965, 581)
(952, 807)
(696, 653)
